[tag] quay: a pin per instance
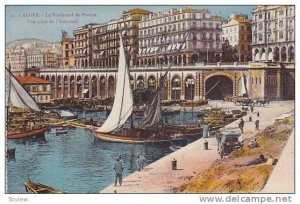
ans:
(192, 159)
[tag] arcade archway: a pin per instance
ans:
(218, 87)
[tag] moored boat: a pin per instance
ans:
(27, 133)
(37, 188)
(152, 128)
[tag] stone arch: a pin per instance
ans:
(72, 86)
(53, 85)
(94, 85)
(256, 55)
(47, 77)
(176, 87)
(66, 83)
(42, 77)
(189, 87)
(218, 86)
(111, 86)
(59, 82)
(283, 54)
(263, 56)
(151, 82)
(270, 54)
(102, 86)
(291, 54)
(140, 82)
(79, 86)
(276, 54)
(195, 58)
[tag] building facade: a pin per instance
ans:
(50, 59)
(105, 42)
(237, 31)
(273, 33)
(34, 58)
(182, 36)
(17, 61)
(68, 60)
(38, 88)
(82, 46)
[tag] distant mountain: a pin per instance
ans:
(27, 43)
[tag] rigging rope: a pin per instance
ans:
(212, 87)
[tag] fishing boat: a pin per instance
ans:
(151, 130)
(17, 96)
(37, 188)
(67, 115)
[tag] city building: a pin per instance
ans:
(273, 33)
(38, 88)
(237, 31)
(34, 58)
(106, 39)
(49, 59)
(184, 36)
(17, 61)
(82, 46)
(68, 60)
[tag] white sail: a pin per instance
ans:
(123, 102)
(243, 86)
(16, 95)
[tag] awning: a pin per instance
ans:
(85, 91)
(183, 46)
(101, 53)
(169, 47)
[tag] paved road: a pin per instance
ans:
(192, 159)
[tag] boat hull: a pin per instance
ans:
(139, 136)
(27, 134)
(37, 188)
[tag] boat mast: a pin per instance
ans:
(127, 54)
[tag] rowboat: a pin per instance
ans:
(27, 133)
(37, 188)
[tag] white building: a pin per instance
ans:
(182, 36)
(273, 33)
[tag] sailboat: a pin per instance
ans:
(17, 96)
(152, 128)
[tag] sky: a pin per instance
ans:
(43, 22)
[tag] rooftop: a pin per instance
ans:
(32, 80)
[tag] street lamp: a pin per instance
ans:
(190, 82)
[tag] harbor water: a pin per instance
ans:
(75, 162)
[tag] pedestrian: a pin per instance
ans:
(251, 108)
(241, 125)
(257, 125)
(205, 131)
(257, 114)
(138, 163)
(118, 170)
(143, 160)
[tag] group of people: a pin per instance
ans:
(242, 122)
(119, 167)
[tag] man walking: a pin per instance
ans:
(257, 125)
(251, 108)
(241, 125)
(119, 170)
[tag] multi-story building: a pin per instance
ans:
(34, 58)
(16, 59)
(49, 59)
(68, 59)
(82, 46)
(273, 33)
(38, 88)
(182, 36)
(237, 31)
(106, 39)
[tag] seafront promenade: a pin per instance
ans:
(192, 159)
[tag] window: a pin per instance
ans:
(44, 88)
(281, 12)
(281, 23)
(260, 37)
(242, 28)
(260, 16)
(260, 26)
(217, 37)
(281, 35)
(269, 15)
(204, 25)
(242, 47)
